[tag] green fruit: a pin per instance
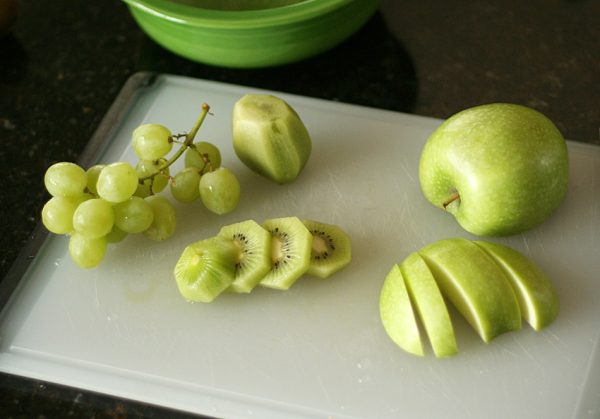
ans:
(57, 214)
(269, 137)
(116, 235)
(397, 315)
(94, 218)
(117, 182)
(154, 184)
(291, 244)
(331, 249)
(65, 179)
(499, 169)
(253, 260)
(151, 141)
(205, 269)
(219, 190)
(185, 185)
(475, 284)
(429, 303)
(536, 294)
(87, 252)
(491, 285)
(92, 178)
(134, 215)
(203, 156)
(164, 220)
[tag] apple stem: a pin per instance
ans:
(452, 198)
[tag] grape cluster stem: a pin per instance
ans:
(189, 140)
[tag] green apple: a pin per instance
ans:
(269, 137)
(475, 284)
(535, 292)
(397, 315)
(491, 285)
(499, 168)
(430, 306)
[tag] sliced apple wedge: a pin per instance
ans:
(397, 314)
(430, 305)
(536, 294)
(475, 284)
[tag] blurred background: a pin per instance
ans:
(62, 64)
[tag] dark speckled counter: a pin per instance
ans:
(65, 61)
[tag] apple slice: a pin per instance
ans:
(536, 294)
(430, 305)
(475, 284)
(397, 315)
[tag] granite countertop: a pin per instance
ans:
(64, 62)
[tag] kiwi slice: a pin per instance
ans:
(254, 253)
(331, 249)
(206, 268)
(290, 252)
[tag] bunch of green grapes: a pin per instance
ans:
(107, 202)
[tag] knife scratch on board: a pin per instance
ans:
(535, 361)
(404, 168)
(96, 298)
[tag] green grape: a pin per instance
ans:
(117, 182)
(57, 214)
(185, 185)
(165, 218)
(204, 156)
(134, 215)
(151, 141)
(92, 178)
(154, 185)
(220, 191)
(65, 179)
(94, 218)
(116, 235)
(87, 252)
(143, 190)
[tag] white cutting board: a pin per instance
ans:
(317, 350)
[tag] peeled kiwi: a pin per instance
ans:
(290, 252)
(254, 253)
(206, 268)
(331, 249)
(269, 137)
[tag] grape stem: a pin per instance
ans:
(189, 140)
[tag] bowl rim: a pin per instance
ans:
(211, 18)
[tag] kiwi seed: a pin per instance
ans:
(331, 249)
(290, 252)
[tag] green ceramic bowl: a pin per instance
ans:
(265, 33)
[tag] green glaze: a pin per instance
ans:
(507, 163)
(251, 38)
(475, 284)
(429, 303)
(535, 292)
(238, 4)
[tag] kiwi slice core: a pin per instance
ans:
(253, 261)
(331, 249)
(206, 268)
(291, 244)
